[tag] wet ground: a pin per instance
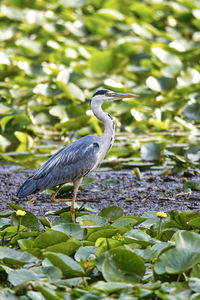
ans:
(121, 188)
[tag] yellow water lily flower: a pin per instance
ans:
(20, 212)
(161, 214)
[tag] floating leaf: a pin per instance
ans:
(193, 153)
(66, 264)
(166, 57)
(68, 247)
(91, 221)
(101, 62)
(192, 111)
(111, 212)
(160, 83)
(50, 238)
(70, 229)
(127, 220)
(12, 256)
(18, 277)
(187, 240)
(175, 261)
(84, 252)
(152, 151)
(123, 265)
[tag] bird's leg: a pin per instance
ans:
(76, 186)
(53, 196)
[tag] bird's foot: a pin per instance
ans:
(70, 200)
(60, 200)
(84, 202)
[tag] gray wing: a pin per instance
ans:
(69, 163)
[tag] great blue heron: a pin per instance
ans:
(74, 161)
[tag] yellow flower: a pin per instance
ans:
(161, 214)
(20, 212)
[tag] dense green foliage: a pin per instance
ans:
(55, 54)
(104, 256)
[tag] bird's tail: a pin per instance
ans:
(28, 188)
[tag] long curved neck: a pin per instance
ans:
(109, 126)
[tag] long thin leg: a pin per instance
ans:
(76, 186)
(53, 196)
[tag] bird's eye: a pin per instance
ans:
(110, 94)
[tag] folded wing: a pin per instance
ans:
(68, 164)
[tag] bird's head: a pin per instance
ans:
(107, 95)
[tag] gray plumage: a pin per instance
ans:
(74, 161)
(64, 166)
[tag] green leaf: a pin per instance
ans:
(152, 151)
(59, 111)
(4, 109)
(123, 265)
(24, 235)
(159, 84)
(48, 293)
(87, 180)
(74, 3)
(74, 123)
(4, 221)
(70, 229)
(187, 240)
(175, 261)
(181, 220)
(194, 284)
(66, 264)
(35, 295)
(104, 232)
(12, 256)
(195, 223)
(166, 57)
(25, 243)
(50, 272)
(18, 277)
(112, 13)
(193, 153)
(127, 220)
(101, 62)
(68, 247)
(192, 111)
(111, 213)
(105, 244)
(30, 47)
(139, 237)
(50, 238)
(188, 77)
(23, 138)
(110, 287)
(45, 222)
(191, 185)
(4, 143)
(84, 252)
(91, 221)
(29, 220)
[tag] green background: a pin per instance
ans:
(55, 54)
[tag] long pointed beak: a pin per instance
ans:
(122, 95)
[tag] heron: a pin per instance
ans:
(74, 161)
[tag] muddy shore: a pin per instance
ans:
(121, 188)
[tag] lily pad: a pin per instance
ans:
(175, 261)
(123, 265)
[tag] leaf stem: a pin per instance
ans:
(19, 224)
(159, 229)
(178, 278)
